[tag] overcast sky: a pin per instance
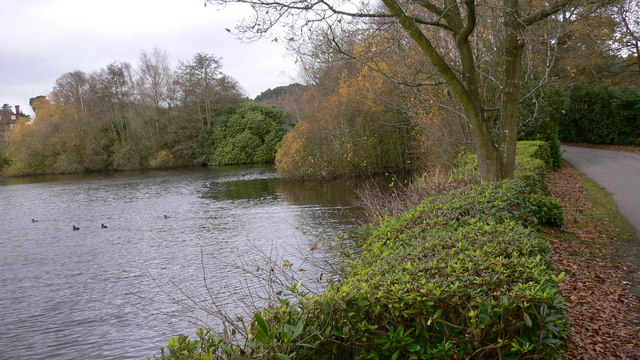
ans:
(43, 39)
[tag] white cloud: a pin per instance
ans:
(43, 39)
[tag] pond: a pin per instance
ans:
(114, 291)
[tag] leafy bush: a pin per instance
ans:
(5, 161)
(481, 290)
(532, 160)
(547, 130)
(251, 134)
(208, 345)
(548, 210)
(462, 275)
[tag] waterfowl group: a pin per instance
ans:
(102, 226)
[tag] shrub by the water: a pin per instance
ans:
(461, 276)
(251, 134)
(352, 132)
(4, 161)
(548, 129)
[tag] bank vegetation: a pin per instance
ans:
(149, 116)
(462, 275)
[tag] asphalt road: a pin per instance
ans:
(616, 171)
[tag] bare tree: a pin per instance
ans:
(628, 16)
(204, 87)
(446, 32)
(73, 89)
(154, 82)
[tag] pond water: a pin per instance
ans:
(110, 293)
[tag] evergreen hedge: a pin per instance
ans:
(598, 114)
(463, 275)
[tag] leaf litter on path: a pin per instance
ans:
(604, 314)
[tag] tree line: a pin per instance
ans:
(147, 116)
(372, 100)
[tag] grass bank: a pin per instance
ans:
(464, 275)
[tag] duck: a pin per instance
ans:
(75, 227)
(103, 226)
(34, 220)
(165, 216)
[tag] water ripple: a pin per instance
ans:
(101, 293)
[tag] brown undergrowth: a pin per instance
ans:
(603, 312)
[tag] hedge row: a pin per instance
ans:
(463, 275)
(597, 114)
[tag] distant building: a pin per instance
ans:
(8, 118)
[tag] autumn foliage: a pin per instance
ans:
(121, 117)
(355, 130)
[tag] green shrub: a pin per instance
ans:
(548, 210)
(251, 134)
(533, 158)
(208, 345)
(479, 290)
(547, 130)
(460, 276)
(5, 161)
(595, 114)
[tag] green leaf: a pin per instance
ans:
(298, 329)
(395, 355)
(544, 310)
(527, 320)
(263, 325)
(413, 347)
(294, 331)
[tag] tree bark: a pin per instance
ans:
(509, 111)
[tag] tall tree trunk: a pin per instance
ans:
(487, 152)
(466, 90)
(637, 46)
(509, 111)
(488, 155)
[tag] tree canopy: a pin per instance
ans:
(124, 116)
(475, 48)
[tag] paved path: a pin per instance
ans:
(616, 171)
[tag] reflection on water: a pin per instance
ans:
(97, 293)
(330, 193)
